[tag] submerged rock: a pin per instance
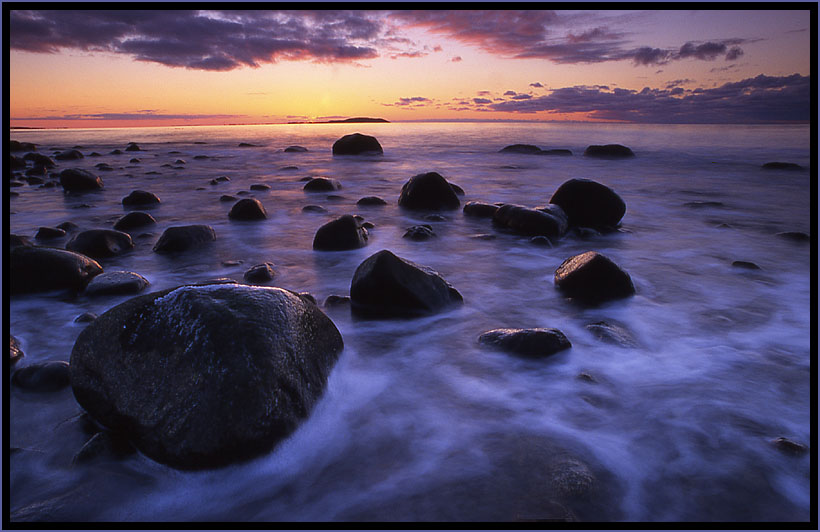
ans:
(794, 236)
(132, 146)
(340, 234)
(116, 283)
(612, 333)
(183, 237)
(428, 191)
(295, 149)
(385, 285)
(140, 197)
(68, 155)
(589, 203)
(781, 166)
(16, 145)
(322, 184)
(369, 201)
(42, 377)
(40, 160)
(133, 220)
(100, 243)
(46, 233)
(538, 342)
(248, 209)
(593, 278)
(75, 179)
(520, 148)
(207, 375)
(479, 209)
(551, 223)
(356, 144)
(419, 232)
(260, 274)
(609, 151)
(746, 265)
(790, 446)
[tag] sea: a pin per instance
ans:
(675, 420)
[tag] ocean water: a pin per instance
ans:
(418, 423)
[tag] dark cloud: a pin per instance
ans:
(510, 93)
(648, 56)
(456, 59)
(413, 100)
(706, 51)
(733, 53)
(484, 93)
(537, 85)
(481, 101)
(676, 82)
(762, 99)
(522, 97)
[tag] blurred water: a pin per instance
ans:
(419, 423)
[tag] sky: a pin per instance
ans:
(70, 68)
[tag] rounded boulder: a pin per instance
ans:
(356, 144)
(100, 243)
(140, 198)
(593, 278)
(248, 209)
(340, 234)
(589, 203)
(538, 342)
(75, 179)
(183, 237)
(428, 191)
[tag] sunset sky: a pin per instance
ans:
(140, 68)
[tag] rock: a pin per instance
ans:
(295, 149)
(220, 179)
(134, 160)
(15, 353)
(201, 157)
(794, 236)
(419, 232)
(781, 166)
(609, 151)
(45, 233)
(85, 317)
(428, 191)
(385, 285)
(38, 172)
(340, 234)
(140, 198)
(179, 161)
(588, 203)
(15, 145)
(571, 478)
(74, 179)
(612, 333)
(115, 152)
(132, 146)
(203, 376)
(261, 273)
(322, 184)
(356, 144)
(307, 296)
(94, 154)
(40, 160)
(289, 168)
(116, 283)
(69, 155)
(479, 210)
(369, 201)
(42, 377)
(334, 197)
(100, 243)
(525, 221)
(314, 208)
(133, 220)
(539, 342)
(16, 163)
(789, 446)
(701, 204)
(227, 197)
(260, 186)
(520, 148)
(593, 278)
(184, 237)
(40, 269)
(745, 265)
(457, 189)
(336, 301)
(17, 240)
(248, 209)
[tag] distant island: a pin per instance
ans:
(356, 120)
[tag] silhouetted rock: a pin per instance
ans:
(790, 446)
(46, 233)
(419, 233)
(116, 283)
(385, 285)
(225, 371)
(42, 377)
(260, 186)
(781, 166)
(75, 179)
(336, 301)
(745, 265)
(227, 197)
(457, 189)
(15, 353)
(40, 159)
(539, 342)
(16, 163)
(132, 146)
(322, 184)
(69, 155)
(140, 198)
(15, 145)
(17, 240)
(314, 208)
(371, 201)
(794, 236)
(479, 210)
(612, 333)
(261, 273)
(428, 191)
(295, 149)
(183, 237)
(608, 151)
(100, 243)
(247, 145)
(356, 144)
(521, 148)
(593, 278)
(588, 203)
(133, 220)
(248, 209)
(134, 160)
(525, 221)
(340, 234)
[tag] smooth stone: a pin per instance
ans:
(260, 186)
(745, 265)
(588, 203)
(341, 234)
(40, 160)
(591, 277)
(428, 191)
(295, 149)
(100, 243)
(314, 208)
(322, 184)
(608, 150)
(15, 352)
(790, 446)
(132, 146)
(227, 197)
(369, 201)
(75, 179)
(247, 145)
(248, 209)
(201, 157)
(133, 220)
(419, 233)
(140, 197)
(612, 333)
(261, 273)
(520, 148)
(68, 155)
(134, 161)
(356, 144)
(184, 237)
(479, 209)
(116, 283)
(435, 218)
(781, 166)
(537, 342)
(16, 145)
(794, 236)
(531, 222)
(45, 233)
(42, 377)
(336, 301)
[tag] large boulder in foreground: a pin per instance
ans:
(428, 191)
(356, 144)
(77, 179)
(538, 342)
(385, 285)
(206, 375)
(100, 243)
(611, 151)
(593, 278)
(551, 223)
(589, 203)
(340, 234)
(183, 237)
(40, 269)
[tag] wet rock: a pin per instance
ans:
(457, 189)
(220, 179)
(132, 146)
(538, 342)
(307, 296)
(42, 377)
(100, 243)
(248, 209)
(15, 145)
(247, 145)
(260, 186)
(419, 233)
(745, 265)
(183, 237)
(385, 285)
(314, 208)
(231, 262)
(369, 201)
(179, 161)
(69, 155)
(75, 179)
(140, 198)
(85, 317)
(225, 371)
(521, 148)
(260, 274)
(593, 278)
(289, 168)
(201, 157)
(794, 236)
(46, 233)
(340, 234)
(38, 172)
(356, 144)
(115, 152)
(116, 283)
(17, 240)
(428, 191)
(570, 477)
(435, 218)
(94, 154)
(612, 333)
(608, 151)
(781, 166)
(321, 184)
(104, 444)
(479, 210)
(588, 203)
(704, 204)
(334, 197)
(15, 353)
(16, 163)
(227, 197)
(525, 221)
(336, 301)
(40, 269)
(295, 149)
(789, 446)
(133, 220)
(38, 159)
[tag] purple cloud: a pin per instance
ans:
(522, 97)
(510, 93)
(413, 100)
(456, 59)
(537, 85)
(481, 101)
